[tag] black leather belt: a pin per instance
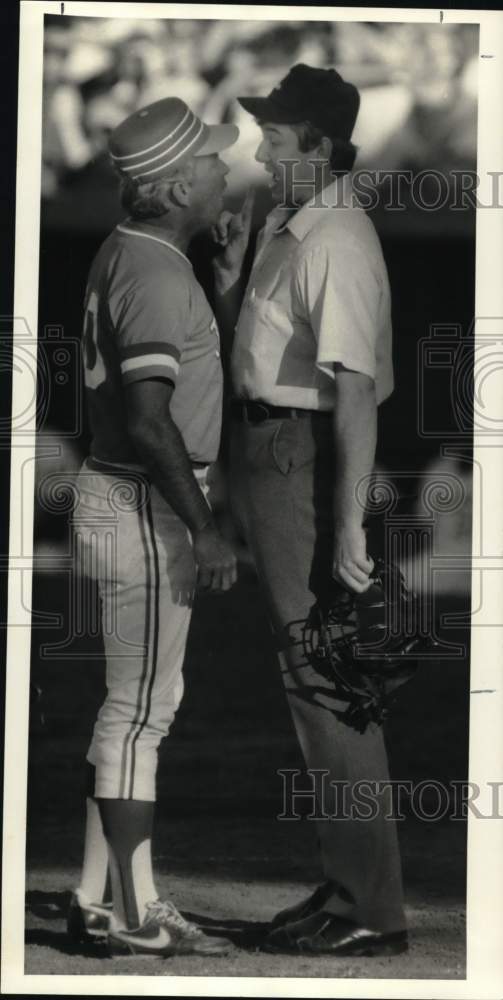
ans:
(252, 411)
(115, 469)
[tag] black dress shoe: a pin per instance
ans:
(306, 908)
(326, 934)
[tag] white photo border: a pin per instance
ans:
(484, 978)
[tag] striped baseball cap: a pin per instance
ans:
(157, 139)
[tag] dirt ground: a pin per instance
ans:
(238, 906)
(220, 851)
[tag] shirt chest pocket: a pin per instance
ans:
(266, 325)
(267, 309)
(271, 326)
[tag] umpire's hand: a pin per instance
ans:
(215, 560)
(351, 564)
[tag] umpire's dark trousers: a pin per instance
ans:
(282, 474)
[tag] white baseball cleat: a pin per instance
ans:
(164, 933)
(88, 923)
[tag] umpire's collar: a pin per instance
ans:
(299, 222)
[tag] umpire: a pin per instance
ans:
(311, 361)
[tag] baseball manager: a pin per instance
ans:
(154, 388)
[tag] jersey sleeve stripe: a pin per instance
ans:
(141, 374)
(147, 348)
(161, 362)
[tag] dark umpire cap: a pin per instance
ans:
(157, 139)
(319, 96)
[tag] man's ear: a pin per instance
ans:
(325, 148)
(180, 192)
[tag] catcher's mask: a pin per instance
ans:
(368, 644)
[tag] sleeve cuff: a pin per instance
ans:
(353, 364)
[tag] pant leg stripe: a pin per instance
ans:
(155, 635)
(154, 638)
(127, 768)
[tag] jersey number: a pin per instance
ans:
(94, 366)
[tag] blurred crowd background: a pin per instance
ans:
(418, 86)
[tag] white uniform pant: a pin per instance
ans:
(140, 553)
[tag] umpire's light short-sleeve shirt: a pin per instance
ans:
(146, 316)
(318, 294)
